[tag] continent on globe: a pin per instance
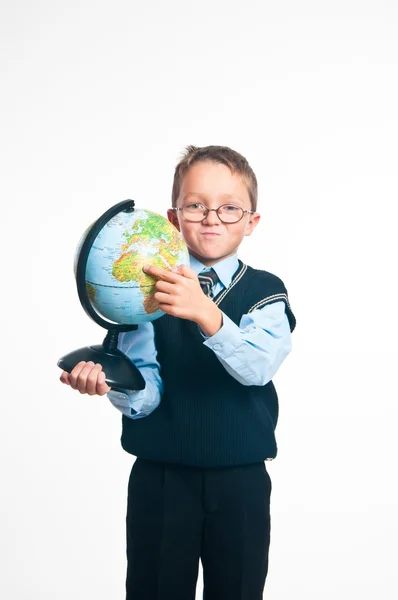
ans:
(91, 292)
(128, 267)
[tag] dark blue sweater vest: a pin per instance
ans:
(206, 418)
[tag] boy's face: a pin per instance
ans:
(213, 184)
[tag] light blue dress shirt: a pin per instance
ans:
(251, 352)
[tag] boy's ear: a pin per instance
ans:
(252, 224)
(172, 217)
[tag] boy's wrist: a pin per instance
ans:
(211, 320)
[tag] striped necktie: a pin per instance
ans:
(207, 279)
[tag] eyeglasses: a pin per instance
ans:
(227, 213)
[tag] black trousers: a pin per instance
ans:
(178, 515)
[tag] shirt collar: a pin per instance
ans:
(224, 269)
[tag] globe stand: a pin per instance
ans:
(119, 371)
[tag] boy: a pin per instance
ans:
(204, 425)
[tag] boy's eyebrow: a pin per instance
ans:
(203, 196)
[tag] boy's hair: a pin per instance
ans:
(218, 154)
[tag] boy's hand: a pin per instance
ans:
(88, 378)
(178, 293)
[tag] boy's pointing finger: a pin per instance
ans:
(162, 274)
(172, 276)
(185, 271)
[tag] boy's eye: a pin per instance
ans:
(231, 208)
(195, 206)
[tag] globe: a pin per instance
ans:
(116, 285)
(112, 287)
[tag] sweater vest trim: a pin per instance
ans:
(237, 277)
(269, 300)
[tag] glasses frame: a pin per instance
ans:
(207, 210)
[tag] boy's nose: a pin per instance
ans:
(212, 218)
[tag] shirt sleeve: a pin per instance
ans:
(253, 351)
(139, 347)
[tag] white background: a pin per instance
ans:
(98, 101)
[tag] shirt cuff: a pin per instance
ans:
(135, 405)
(226, 340)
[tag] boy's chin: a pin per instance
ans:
(209, 258)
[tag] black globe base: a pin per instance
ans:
(120, 372)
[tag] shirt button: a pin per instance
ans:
(217, 346)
